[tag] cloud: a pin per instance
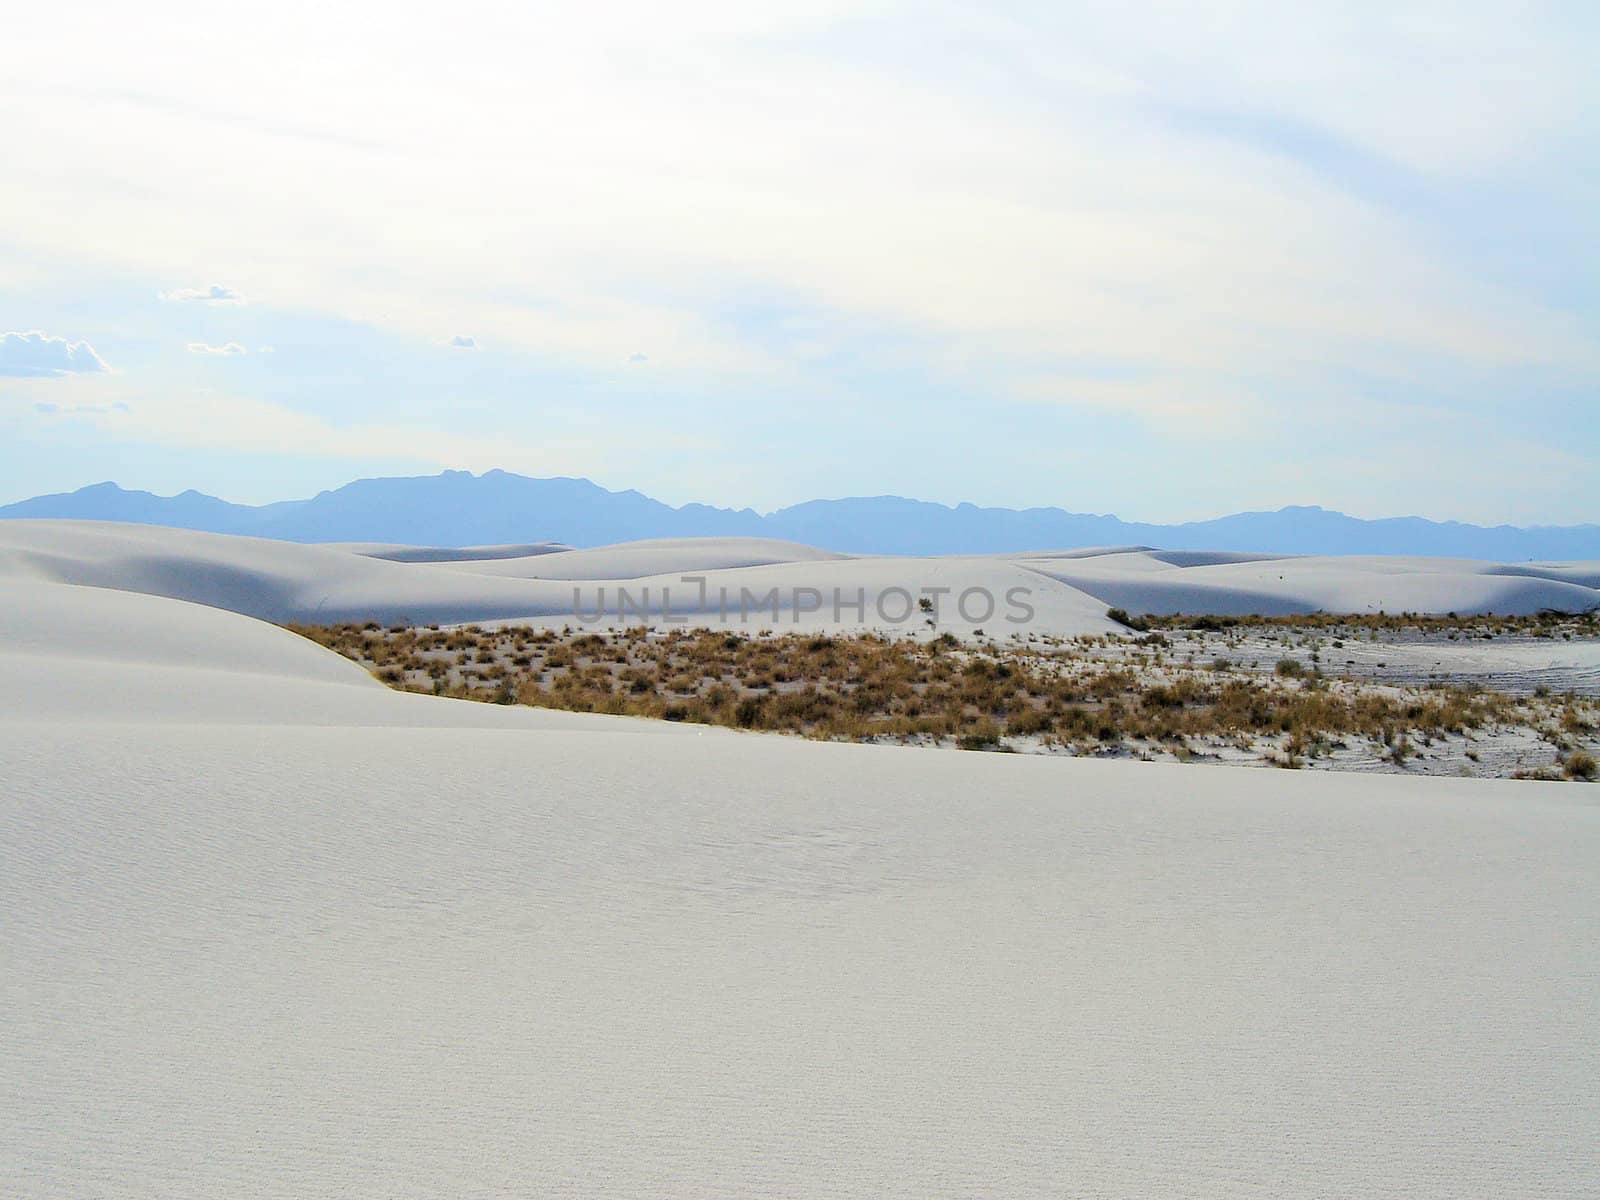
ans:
(636, 357)
(1169, 187)
(36, 355)
(87, 409)
(1245, 203)
(218, 420)
(228, 349)
(215, 294)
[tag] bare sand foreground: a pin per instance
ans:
(272, 930)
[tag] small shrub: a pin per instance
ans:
(1121, 617)
(1211, 623)
(984, 736)
(1581, 766)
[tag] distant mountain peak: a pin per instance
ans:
(458, 508)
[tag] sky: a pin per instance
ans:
(1162, 260)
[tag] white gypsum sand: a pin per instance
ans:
(272, 930)
(748, 582)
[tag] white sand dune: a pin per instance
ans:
(69, 623)
(84, 654)
(1208, 558)
(272, 930)
(756, 583)
(660, 556)
(287, 582)
(447, 554)
(1147, 582)
(1078, 552)
(277, 581)
(876, 593)
(1584, 574)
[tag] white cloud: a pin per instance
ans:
(215, 294)
(212, 419)
(36, 355)
(66, 410)
(463, 342)
(227, 349)
(887, 178)
(1207, 192)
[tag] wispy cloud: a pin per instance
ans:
(217, 420)
(36, 355)
(226, 350)
(67, 410)
(215, 294)
(951, 208)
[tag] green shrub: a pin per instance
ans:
(1121, 617)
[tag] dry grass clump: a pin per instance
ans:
(1087, 695)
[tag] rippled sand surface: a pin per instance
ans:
(298, 962)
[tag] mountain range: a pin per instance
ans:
(458, 508)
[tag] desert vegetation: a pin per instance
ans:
(1449, 626)
(1161, 695)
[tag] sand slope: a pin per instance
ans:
(288, 582)
(74, 655)
(272, 931)
(444, 554)
(661, 556)
(277, 581)
(1237, 585)
(728, 581)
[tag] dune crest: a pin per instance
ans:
(751, 582)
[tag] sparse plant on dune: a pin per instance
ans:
(1581, 765)
(1090, 694)
(1121, 617)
